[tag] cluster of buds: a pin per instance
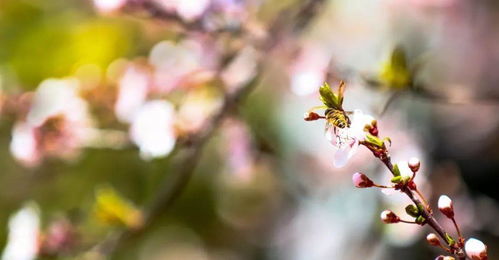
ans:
(374, 142)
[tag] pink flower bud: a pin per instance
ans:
(389, 217)
(445, 206)
(360, 180)
(433, 239)
(476, 249)
(414, 164)
(441, 257)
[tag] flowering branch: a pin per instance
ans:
(347, 134)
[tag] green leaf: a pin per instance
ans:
(374, 140)
(412, 211)
(395, 72)
(396, 170)
(396, 179)
(387, 139)
(450, 241)
(420, 220)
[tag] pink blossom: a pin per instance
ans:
(57, 125)
(189, 62)
(132, 92)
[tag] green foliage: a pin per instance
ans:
(37, 45)
(396, 170)
(395, 72)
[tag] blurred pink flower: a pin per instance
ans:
(132, 92)
(58, 124)
(346, 140)
(152, 129)
(22, 241)
(189, 62)
(59, 238)
(309, 70)
(238, 149)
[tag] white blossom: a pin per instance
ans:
(152, 129)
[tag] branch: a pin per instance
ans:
(172, 187)
(430, 219)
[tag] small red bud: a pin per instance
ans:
(311, 116)
(374, 131)
(412, 185)
(432, 239)
(389, 217)
(445, 206)
(360, 180)
(414, 164)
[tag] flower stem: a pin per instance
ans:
(425, 202)
(461, 239)
(407, 221)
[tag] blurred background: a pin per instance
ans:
(173, 129)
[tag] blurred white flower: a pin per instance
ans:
(153, 130)
(58, 124)
(346, 140)
(188, 10)
(192, 9)
(132, 92)
(23, 145)
(22, 241)
(107, 6)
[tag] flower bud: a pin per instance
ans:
(360, 180)
(414, 164)
(441, 257)
(389, 217)
(445, 206)
(433, 239)
(476, 249)
(311, 116)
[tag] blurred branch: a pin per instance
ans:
(174, 184)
